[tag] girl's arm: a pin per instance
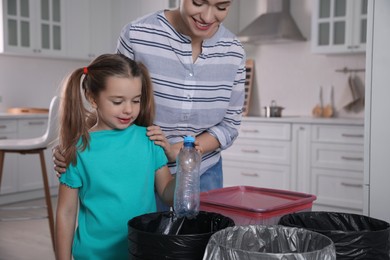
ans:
(165, 185)
(65, 221)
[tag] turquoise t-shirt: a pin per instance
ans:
(115, 178)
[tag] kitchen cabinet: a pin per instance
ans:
(323, 157)
(33, 28)
(126, 11)
(260, 156)
(339, 26)
(337, 167)
(88, 29)
(300, 157)
(8, 130)
(22, 173)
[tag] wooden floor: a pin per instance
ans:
(24, 240)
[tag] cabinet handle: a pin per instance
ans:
(3, 137)
(249, 174)
(250, 151)
(250, 130)
(36, 123)
(353, 185)
(351, 158)
(353, 135)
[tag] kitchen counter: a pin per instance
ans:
(4, 115)
(306, 120)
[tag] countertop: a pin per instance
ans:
(286, 119)
(306, 120)
(4, 115)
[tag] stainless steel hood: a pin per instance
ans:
(272, 27)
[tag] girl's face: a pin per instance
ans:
(119, 104)
(202, 18)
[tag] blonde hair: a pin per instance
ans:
(76, 119)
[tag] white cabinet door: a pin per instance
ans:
(377, 127)
(300, 158)
(77, 29)
(236, 173)
(33, 27)
(126, 11)
(30, 173)
(338, 188)
(88, 27)
(100, 28)
(8, 130)
(339, 26)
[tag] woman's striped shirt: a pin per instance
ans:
(191, 97)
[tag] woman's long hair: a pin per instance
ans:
(76, 119)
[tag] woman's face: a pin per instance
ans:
(202, 18)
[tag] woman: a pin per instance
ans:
(198, 71)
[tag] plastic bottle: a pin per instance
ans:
(187, 192)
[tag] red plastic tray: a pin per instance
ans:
(251, 205)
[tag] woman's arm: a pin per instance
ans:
(165, 185)
(67, 205)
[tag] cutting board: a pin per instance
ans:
(27, 110)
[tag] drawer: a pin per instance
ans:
(338, 134)
(270, 131)
(254, 174)
(337, 156)
(29, 128)
(338, 188)
(8, 126)
(259, 151)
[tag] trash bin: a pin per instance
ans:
(269, 242)
(161, 235)
(355, 236)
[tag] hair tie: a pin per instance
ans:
(85, 70)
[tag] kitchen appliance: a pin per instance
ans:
(275, 26)
(273, 110)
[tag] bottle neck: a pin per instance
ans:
(189, 144)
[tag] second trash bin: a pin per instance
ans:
(254, 242)
(355, 236)
(161, 235)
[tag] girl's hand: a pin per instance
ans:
(156, 135)
(198, 148)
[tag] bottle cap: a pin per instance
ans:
(189, 139)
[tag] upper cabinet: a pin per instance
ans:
(31, 27)
(88, 28)
(339, 26)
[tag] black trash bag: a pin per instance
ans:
(161, 235)
(355, 236)
(255, 242)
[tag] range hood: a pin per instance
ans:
(274, 26)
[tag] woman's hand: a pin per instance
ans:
(156, 135)
(59, 161)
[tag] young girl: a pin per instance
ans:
(112, 167)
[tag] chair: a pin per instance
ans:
(36, 146)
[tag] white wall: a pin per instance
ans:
(31, 82)
(290, 74)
